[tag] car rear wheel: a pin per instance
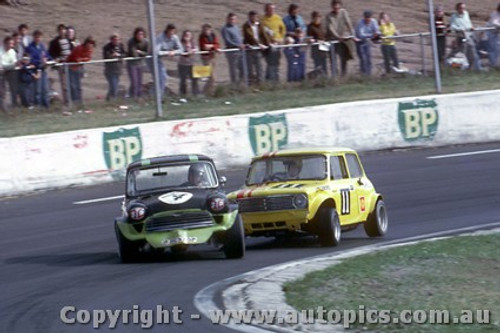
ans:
(128, 251)
(234, 242)
(329, 227)
(377, 223)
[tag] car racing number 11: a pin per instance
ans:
(345, 200)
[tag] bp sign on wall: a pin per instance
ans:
(268, 133)
(120, 148)
(418, 120)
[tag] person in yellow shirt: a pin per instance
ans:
(388, 29)
(275, 28)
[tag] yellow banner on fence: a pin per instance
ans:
(202, 71)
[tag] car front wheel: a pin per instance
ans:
(377, 223)
(329, 227)
(234, 242)
(128, 251)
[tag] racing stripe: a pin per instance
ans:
(250, 192)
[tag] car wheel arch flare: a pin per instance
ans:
(326, 203)
(373, 202)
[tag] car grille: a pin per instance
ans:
(266, 204)
(188, 220)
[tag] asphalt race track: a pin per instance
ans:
(56, 253)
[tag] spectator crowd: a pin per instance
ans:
(261, 40)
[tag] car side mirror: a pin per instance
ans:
(222, 180)
(360, 181)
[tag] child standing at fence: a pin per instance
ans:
(296, 57)
(388, 29)
(186, 62)
(27, 77)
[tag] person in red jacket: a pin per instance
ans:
(81, 53)
(209, 42)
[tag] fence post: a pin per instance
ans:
(68, 86)
(437, 69)
(156, 73)
(422, 53)
(245, 67)
(333, 59)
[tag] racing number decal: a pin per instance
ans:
(345, 196)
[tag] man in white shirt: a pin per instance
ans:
(8, 62)
(461, 24)
(493, 51)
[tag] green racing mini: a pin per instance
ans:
(175, 202)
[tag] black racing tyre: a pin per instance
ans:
(377, 223)
(128, 251)
(234, 242)
(329, 227)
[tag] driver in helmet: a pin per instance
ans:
(293, 168)
(196, 175)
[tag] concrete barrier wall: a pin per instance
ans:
(41, 162)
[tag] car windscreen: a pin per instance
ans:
(140, 181)
(287, 168)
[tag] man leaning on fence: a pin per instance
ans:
(493, 48)
(231, 34)
(275, 29)
(257, 41)
(169, 43)
(59, 50)
(339, 28)
(366, 30)
(81, 53)
(441, 29)
(461, 24)
(315, 31)
(114, 50)
(40, 58)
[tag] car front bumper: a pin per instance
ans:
(286, 220)
(180, 236)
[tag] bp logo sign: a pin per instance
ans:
(121, 148)
(268, 133)
(418, 120)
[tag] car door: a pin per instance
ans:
(359, 199)
(344, 186)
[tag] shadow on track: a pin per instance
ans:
(111, 258)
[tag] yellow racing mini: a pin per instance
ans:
(320, 191)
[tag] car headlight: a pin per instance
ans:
(300, 201)
(217, 204)
(137, 213)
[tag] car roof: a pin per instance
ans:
(169, 159)
(306, 151)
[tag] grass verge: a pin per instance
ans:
(453, 274)
(229, 101)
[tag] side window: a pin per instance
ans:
(337, 167)
(354, 166)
